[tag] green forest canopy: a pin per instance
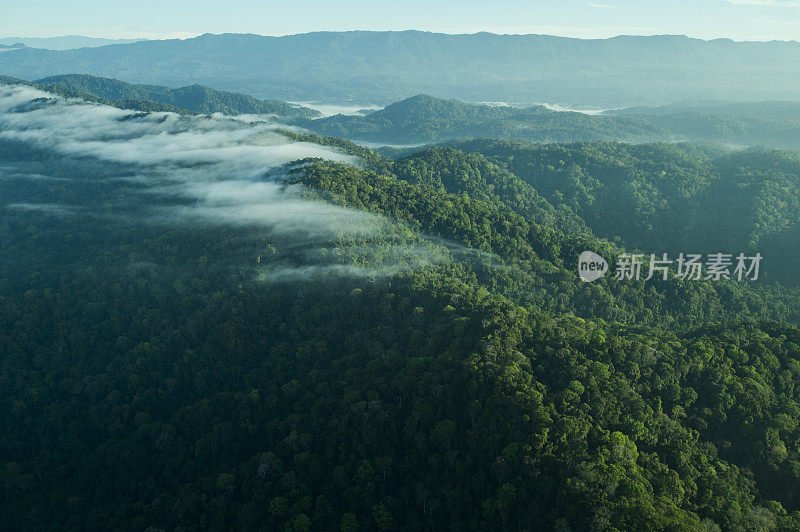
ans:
(154, 376)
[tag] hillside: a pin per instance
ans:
(424, 119)
(380, 67)
(770, 123)
(668, 197)
(771, 110)
(195, 98)
(207, 323)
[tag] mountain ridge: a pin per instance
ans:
(65, 42)
(387, 66)
(189, 99)
(425, 119)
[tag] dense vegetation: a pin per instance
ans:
(426, 119)
(155, 374)
(773, 123)
(184, 100)
(423, 119)
(764, 110)
(669, 198)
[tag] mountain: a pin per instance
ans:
(11, 47)
(64, 42)
(194, 99)
(772, 123)
(206, 325)
(423, 118)
(388, 66)
(774, 110)
(669, 197)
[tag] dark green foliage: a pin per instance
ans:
(194, 99)
(150, 378)
(426, 119)
(669, 198)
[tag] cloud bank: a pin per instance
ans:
(218, 171)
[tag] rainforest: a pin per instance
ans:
(222, 312)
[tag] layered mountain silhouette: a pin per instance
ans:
(387, 66)
(184, 100)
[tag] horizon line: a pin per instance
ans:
(183, 36)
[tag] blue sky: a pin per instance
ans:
(736, 19)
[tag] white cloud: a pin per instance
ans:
(47, 208)
(147, 35)
(333, 109)
(600, 6)
(766, 3)
(580, 32)
(219, 171)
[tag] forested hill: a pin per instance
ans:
(765, 110)
(774, 123)
(195, 98)
(425, 119)
(297, 333)
(668, 197)
(387, 66)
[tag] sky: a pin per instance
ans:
(705, 19)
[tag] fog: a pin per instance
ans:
(218, 171)
(328, 109)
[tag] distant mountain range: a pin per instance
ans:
(424, 119)
(381, 67)
(184, 100)
(64, 42)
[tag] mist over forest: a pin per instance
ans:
(317, 282)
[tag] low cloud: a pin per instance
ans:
(53, 209)
(766, 3)
(218, 171)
